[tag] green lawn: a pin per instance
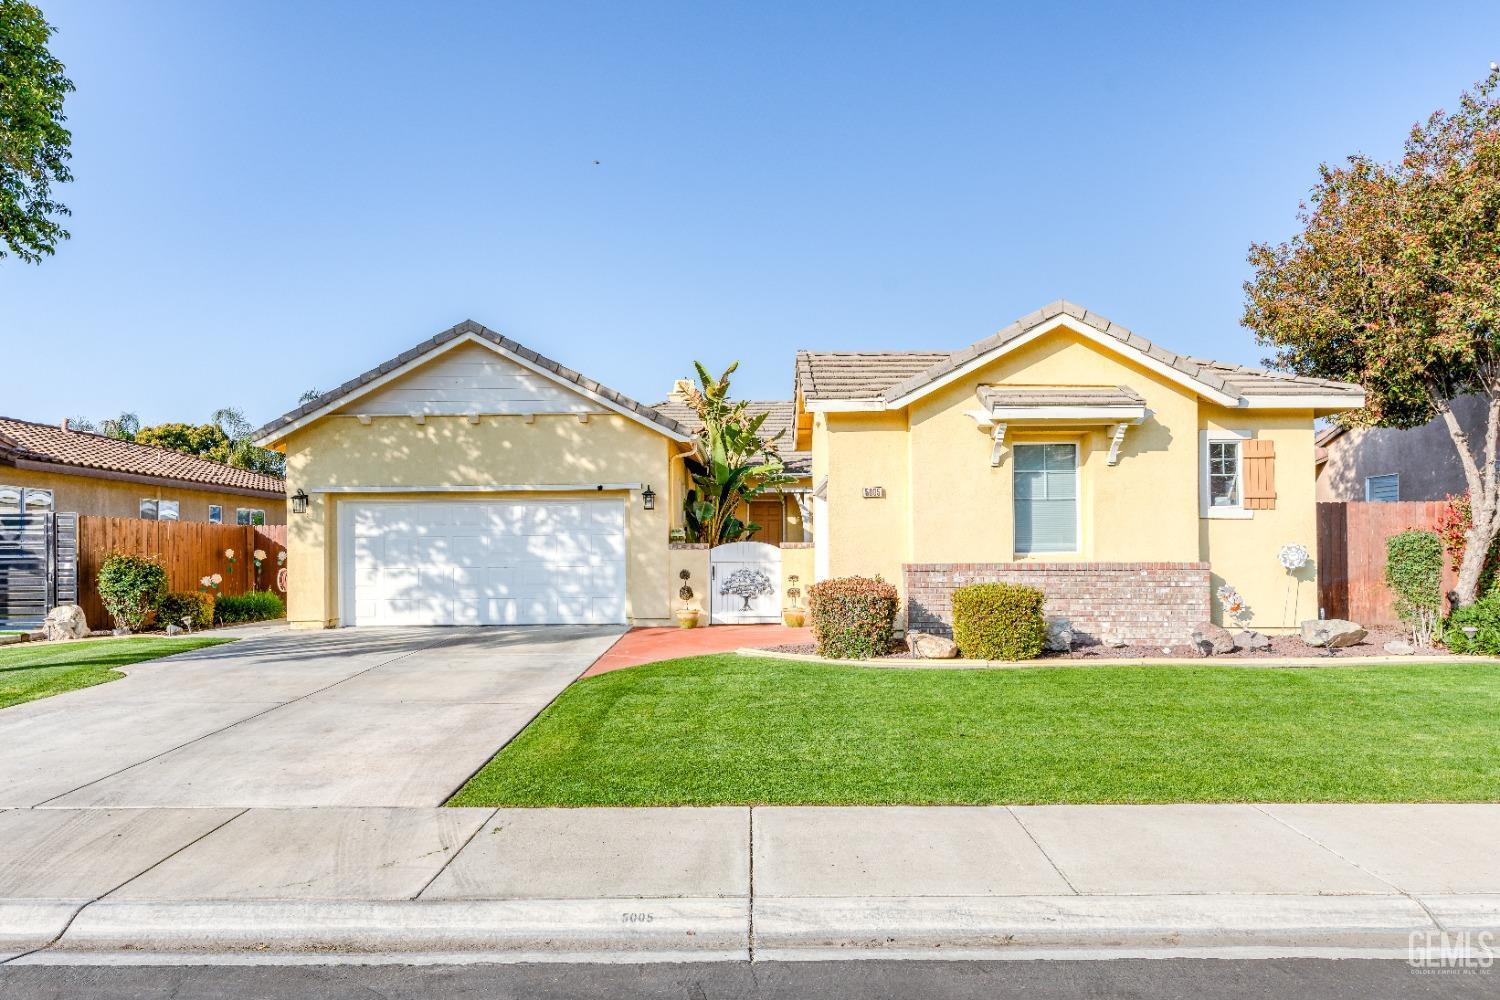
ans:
(729, 729)
(36, 670)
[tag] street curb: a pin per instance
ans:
(282, 932)
(1059, 663)
(997, 927)
(26, 924)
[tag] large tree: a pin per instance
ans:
(34, 145)
(1394, 283)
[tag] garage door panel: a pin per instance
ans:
(487, 563)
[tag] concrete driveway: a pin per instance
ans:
(357, 717)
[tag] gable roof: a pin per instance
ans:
(895, 378)
(780, 414)
(24, 440)
(469, 330)
(858, 374)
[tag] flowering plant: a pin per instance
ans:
(210, 582)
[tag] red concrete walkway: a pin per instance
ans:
(647, 645)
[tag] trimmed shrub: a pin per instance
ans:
(999, 621)
(853, 617)
(256, 606)
(179, 604)
(131, 587)
(1483, 614)
(1414, 573)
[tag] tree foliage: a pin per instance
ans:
(225, 438)
(34, 144)
(1394, 283)
(731, 463)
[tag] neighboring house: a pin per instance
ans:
(1387, 464)
(471, 480)
(51, 467)
(784, 517)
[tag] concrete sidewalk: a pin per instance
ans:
(734, 883)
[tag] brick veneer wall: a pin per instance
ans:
(1134, 602)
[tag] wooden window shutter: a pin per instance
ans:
(1259, 456)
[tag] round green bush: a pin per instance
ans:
(180, 604)
(999, 621)
(1483, 615)
(131, 587)
(853, 617)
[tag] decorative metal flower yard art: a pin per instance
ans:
(259, 555)
(1234, 605)
(1293, 556)
(747, 584)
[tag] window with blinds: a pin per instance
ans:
(1046, 497)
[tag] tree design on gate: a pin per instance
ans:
(747, 584)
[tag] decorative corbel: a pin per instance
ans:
(999, 436)
(1116, 438)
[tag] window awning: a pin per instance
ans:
(1117, 407)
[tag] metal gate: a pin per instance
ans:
(38, 567)
(746, 582)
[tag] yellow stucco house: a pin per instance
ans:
(474, 481)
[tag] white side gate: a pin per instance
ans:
(745, 578)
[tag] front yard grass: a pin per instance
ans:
(33, 670)
(737, 730)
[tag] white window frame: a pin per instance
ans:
(1077, 548)
(249, 514)
(28, 492)
(142, 509)
(162, 510)
(215, 513)
(1237, 512)
(1389, 475)
(6, 508)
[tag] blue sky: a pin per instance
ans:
(272, 197)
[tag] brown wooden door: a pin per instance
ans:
(769, 514)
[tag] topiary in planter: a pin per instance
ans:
(853, 617)
(999, 621)
(131, 587)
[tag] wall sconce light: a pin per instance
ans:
(648, 498)
(299, 502)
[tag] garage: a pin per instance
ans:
(503, 562)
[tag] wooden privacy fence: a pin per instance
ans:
(1351, 556)
(190, 550)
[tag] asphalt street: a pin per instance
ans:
(1166, 979)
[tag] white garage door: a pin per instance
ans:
(484, 563)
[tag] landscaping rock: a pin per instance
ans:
(1059, 636)
(931, 647)
(1335, 633)
(7, 640)
(1209, 639)
(1116, 643)
(1250, 639)
(122, 631)
(1398, 648)
(66, 621)
(174, 630)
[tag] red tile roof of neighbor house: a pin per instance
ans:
(56, 445)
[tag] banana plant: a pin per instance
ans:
(731, 463)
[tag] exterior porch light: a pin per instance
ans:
(299, 502)
(648, 498)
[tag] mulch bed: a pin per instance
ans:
(1281, 646)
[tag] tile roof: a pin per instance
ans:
(780, 416)
(1065, 395)
(23, 439)
(888, 376)
(468, 326)
(1234, 380)
(858, 374)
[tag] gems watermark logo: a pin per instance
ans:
(1452, 952)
